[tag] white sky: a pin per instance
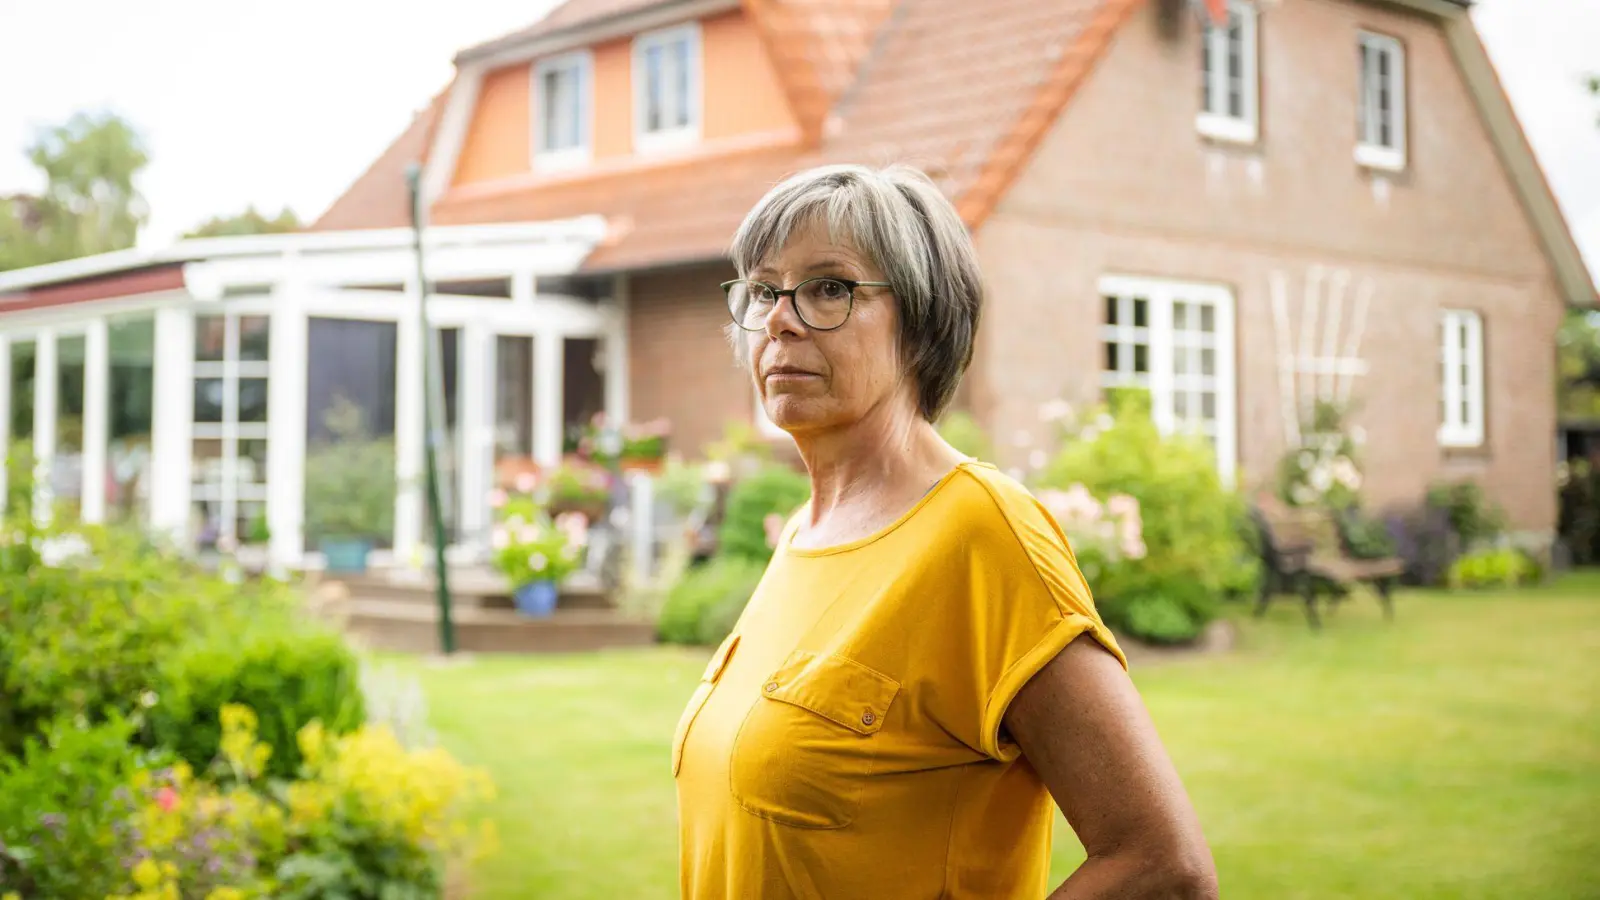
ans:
(285, 103)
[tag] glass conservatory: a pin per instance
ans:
(215, 390)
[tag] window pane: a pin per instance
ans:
(653, 89)
(1180, 316)
(1206, 76)
(210, 338)
(1208, 319)
(208, 399)
(1208, 361)
(252, 399)
(681, 85)
(1180, 404)
(1208, 405)
(1111, 310)
(131, 389)
(1141, 362)
(513, 430)
(1113, 355)
(1141, 312)
(251, 467)
(254, 335)
(24, 356)
(206, 461)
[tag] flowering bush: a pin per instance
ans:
(529, 546)
(1324, 471)
(1101, 534)
(1189, 523)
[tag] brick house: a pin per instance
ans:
(1298, 198)
(1243, 204)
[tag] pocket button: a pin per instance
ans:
(867, 718)
(772, 686)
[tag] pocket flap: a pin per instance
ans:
(838, 689)
(719, 659)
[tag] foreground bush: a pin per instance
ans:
(704, 605)
(84, 815)
(294, 674)
(771, 490)
(1195, 552)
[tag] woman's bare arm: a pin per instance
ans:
(1084, 728)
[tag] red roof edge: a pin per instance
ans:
(1013, 152)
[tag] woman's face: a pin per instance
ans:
(810, 380)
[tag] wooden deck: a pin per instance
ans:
(399, 612)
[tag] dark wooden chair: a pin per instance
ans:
(1302, 551)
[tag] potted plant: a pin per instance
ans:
(350, 490)
(534, 553)
(580, 487)
(644, 447)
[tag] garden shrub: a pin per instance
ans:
(1502, 567)
(770, 490)
(64, 806)
(1425, 540)
(1578, 521)
(1192, 529)
(1472, 515)
(294, 674)
(704, 605)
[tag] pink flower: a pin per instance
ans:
(1122, 505)
(497, 498)
(167, 798)
(576, 527)
(526, 482)
(500, 539)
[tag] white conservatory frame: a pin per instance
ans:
(293, 278)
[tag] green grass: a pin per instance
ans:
(1455, 753)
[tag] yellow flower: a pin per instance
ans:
(225, 893)
(147, 874)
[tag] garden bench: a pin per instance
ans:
(1302, 550)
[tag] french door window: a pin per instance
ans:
(1175, 340)
(230, 425)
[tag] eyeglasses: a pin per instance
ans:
(823, 304)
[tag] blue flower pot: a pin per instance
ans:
(537, 598)
(345, 556)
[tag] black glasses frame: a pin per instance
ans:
(794, 297)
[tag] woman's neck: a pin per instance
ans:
(866, 475)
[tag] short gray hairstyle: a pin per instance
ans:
(903, 223)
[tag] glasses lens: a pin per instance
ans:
(824, 302)
(749, 302)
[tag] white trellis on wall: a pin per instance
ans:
(1321, 362)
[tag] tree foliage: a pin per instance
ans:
(248, 222)
(89, 204)
(1578, 358)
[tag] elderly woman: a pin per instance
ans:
(922, 669)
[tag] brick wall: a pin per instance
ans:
(680, 364)
(1125, 185)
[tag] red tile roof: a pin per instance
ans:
(964, 90)
(571, 14)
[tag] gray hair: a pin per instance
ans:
(897, 218)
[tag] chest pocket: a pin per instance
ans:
(708, 681)
(805, 752)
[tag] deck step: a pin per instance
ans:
(468, 588)
(408, 626)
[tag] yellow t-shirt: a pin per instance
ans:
(846, 740)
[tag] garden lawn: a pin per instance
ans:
(1454, 753)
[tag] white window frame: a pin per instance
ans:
(1369, 152)
(1161, 377)
(1221, 126)
(229, 492)
(1461, 375)
(582, 62)
(645, 140)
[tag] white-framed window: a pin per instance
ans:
(1176, 340)
(666, 88)
(1229, 80)
(229, 469)
(563, 110)
(1381, 105)
(1461, 378)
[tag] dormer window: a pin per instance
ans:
(666, 79)
(562, 110)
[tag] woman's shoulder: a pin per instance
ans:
(987, 501)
